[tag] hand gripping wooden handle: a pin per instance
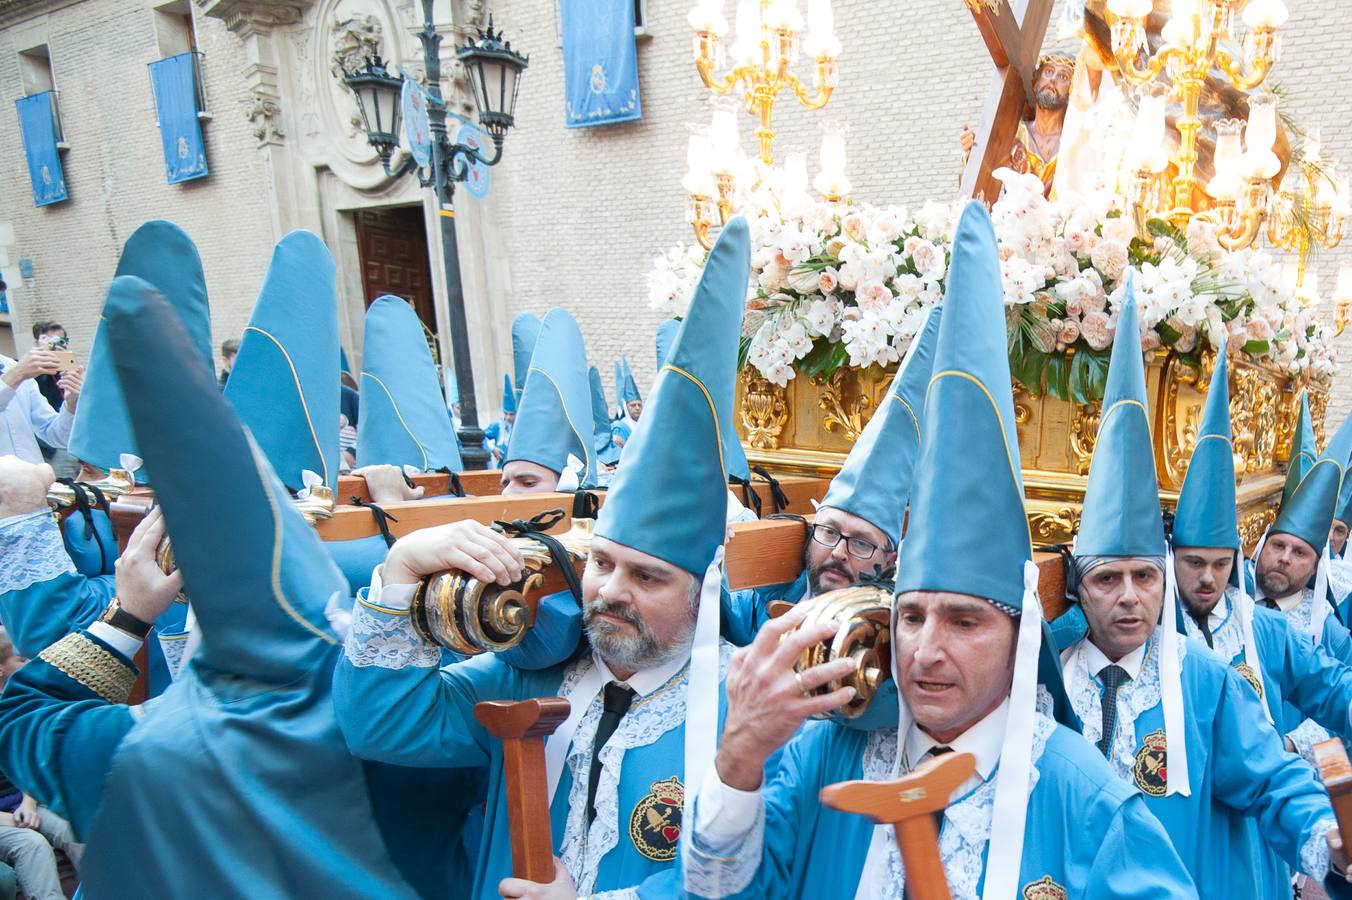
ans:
(909, 805)
(522, 727)
(1336, 772)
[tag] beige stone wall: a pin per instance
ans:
(115, 168)
(582, 211)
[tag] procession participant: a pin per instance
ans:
(857, 527)
(1171, 718)
(525, 333)
(42, 607)
(1291, 565)
(619, 767)
(970, 650)
(499, 433)
(403, 417)
(1294, 677)
(550, 449)
(631, 406)
(235, 782)
(607, 454)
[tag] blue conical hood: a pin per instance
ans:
(619, 387)
(666, 333)
(259, 578)
(681, 439)
(508, 395)
(1304, 449)
(1344, 510)
(285, 383)
(555, 417)
(525, 332)
(600, 416)
(403, 417)
(1308, 514)
(969, 448)
(1206, 505)
(164, 256)
(1122, 502)
(875, 481)
(630, 385)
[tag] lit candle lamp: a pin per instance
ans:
(746, 44)
(1265, 14)
(831, 181)
(1227, 183)
(1130, 9)
(699, 179)
(725, 145)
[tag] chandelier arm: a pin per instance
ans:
(1235, 74)
(717, 85)
(809, 101)
(1135, 74)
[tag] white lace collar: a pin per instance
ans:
(1097, 661)
(644, 681)
(983, 740)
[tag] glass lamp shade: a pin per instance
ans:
(495, 75)
(377, 93)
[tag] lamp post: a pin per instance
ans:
(494, 70)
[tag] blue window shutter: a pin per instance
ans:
(600, 62)
(37, 122)
(174, 80)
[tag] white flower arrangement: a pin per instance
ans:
(836, 284)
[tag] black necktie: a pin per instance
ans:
(1113, 677)
(1204, 623)
(616, 702)
(1268, 603)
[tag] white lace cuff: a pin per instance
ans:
(711, 874)
(1314, 855)
(623, 894)
(31, 551)
(382, 633)
(1305, 736)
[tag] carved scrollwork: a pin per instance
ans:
(1054, 526)
(1288, 411)
(1264, 427)
(765, 411)
(845, 406)
(1252, 525)
(1319, 405)
(1084, 425)
(354, 38)
(264, 111)
(1242, 416)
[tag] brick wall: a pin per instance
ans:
(115, 169)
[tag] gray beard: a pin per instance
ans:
(1048, 99)
(639, 651)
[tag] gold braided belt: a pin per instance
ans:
(93, 665)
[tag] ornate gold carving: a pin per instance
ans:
(1319, 405)
(1264, 427)
(1084, 425)
(1242, 415)
(1252, 526)
(845, 403)
(1288, 412)
(1054, 527)
(765, 412)
(89, 663)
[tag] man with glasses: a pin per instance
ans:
(857, 529)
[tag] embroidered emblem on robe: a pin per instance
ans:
(1152, 765)
(1044, 889)
(1251, 677)
(655, 826)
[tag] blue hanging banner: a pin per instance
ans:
(478, 178)
(37, 122)
(417, 129)
(174, 79)
(600, 62)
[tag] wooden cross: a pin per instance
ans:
(1013, 35)
(522, 728)
(909, 804)
(1336, 773)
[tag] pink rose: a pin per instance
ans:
(872, 295)
(1259, 329)
(1068, 334)
(1076, 241)
(828, 281)
(853, 227)
(1110, 258)
(1097, 330)
(1150, 341)
(1075, 307)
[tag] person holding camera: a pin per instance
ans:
(25, 414)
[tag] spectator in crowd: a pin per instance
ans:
(229, 350)
(25, 415)
(29, 832)
(52, 335)
(4, 296)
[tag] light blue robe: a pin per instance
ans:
(496, 437)
(1087, 831)
(621, 429)
(397, 705)
(1244, 783)
(745, 611)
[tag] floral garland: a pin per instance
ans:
(835, 284)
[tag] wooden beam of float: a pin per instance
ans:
(800, 490)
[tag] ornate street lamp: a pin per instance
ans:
(495, 76)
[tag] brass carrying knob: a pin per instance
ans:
(862, 616)
(164, 558)
(454, 610)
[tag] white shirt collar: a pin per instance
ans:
(1286, 604)
(644, 681)
(1132, 662)
(983, 740)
